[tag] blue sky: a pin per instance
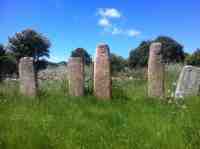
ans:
(123, 24)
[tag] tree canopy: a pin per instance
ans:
(194, 59)
(139, 56)
(7, 63)
(29, 43)
(80, 52)
(118, 63)
(2, 50)
(172, 51)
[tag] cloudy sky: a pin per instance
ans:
(123, 24)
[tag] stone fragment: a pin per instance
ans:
(102, 72)
(76, 76)
(155, 71)
(27, 75)
(189, 82)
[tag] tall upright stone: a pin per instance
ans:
(156, 71)
(102, 72)
(27, 75)
(189, 82)
(76, 76)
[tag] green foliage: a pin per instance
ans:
(41, 64)
(139, 56)
(80, 52)
(8, 64)
(194, 59)
(2, 51)
(172, 52)
(118, 63)
(131, 120)
(29, 43)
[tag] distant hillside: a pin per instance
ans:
(53, 64)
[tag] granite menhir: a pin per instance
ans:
(27, 75)
(76, 76)
(156, 71)
(102, 72)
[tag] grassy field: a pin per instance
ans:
(130, 121)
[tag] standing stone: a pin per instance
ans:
(27, 75)
(189, 82)
(102, 72)
(155, 71)
(76, 76)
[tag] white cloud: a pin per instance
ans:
(109, 13)
(116, 31)
(127, 32)
(133, 33)
(105, 16)
(104, 22)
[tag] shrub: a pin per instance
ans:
(194, 59)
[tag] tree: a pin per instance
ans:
(29, 43)
(194, 59)
(2, 50)
(8, 65)
(80, 52)
(118, 63)
(172, 52)
(2, 54)
(139, 56)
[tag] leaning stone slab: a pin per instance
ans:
(76, 76)
(189, 82)
(102, 72)
(27, 75)
(155, 71)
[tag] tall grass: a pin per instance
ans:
(131, 120)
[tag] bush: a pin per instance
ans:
(194, 59)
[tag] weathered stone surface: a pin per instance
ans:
(28, 81)
(155, 71)
(102, 72)
(76, 76)
(189, 82)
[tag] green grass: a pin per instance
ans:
(130, 121)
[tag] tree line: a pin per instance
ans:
(172, 52)
(33, 44)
